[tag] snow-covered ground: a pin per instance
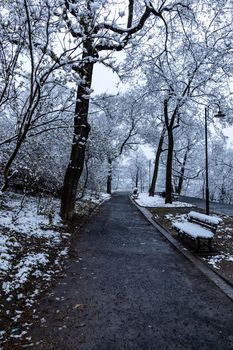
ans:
(145, 200)
(99, 198)
(33, 218)
(217, 259)
(33, 245)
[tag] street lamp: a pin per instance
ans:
(217, 115)
(149, 163)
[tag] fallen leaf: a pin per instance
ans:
(79, 306)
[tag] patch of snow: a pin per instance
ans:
(105, 196)
(27, 220)
(169, 216)
(98, 198)
(7, 246)
(63, 252)
(216, 260)
(180, 217)
(2, 333)
(23, 270)
(145, 200)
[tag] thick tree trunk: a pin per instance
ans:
(85, 182)
(81, 131)
(109, 178)
(168, 195)
(156, 166)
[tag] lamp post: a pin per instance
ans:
(218, 115)
(149, 163)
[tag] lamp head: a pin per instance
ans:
(220, 114)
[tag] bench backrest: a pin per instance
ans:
(210, 222)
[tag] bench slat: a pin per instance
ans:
(192, 230)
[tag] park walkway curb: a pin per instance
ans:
(209, 273)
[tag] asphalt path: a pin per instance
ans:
(226, 209)
(128, 288)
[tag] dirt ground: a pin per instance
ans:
(221, 257)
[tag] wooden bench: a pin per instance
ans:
(199, 227)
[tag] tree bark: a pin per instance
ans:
(170, 127)
(181, 177)
(156, 166)
(87, 175)
(137, 178)
(168, 195)
(81, 132)
(109, 178)
(7, 168)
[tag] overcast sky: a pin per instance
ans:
(104, 80)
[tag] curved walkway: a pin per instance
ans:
(225, 209)
(128, 288)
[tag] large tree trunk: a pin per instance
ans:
(109, 178)
(168, 196)
(156, 166)
(81, 131)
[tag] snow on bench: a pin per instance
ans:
(199, 227)
(207, 219)
(192, 230)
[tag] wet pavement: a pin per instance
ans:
(222, 208)
(128, 288)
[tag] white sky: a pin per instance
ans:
(104, 80)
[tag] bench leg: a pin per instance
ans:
(198, 245)
(209, 245)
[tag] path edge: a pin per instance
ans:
(225, 286)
